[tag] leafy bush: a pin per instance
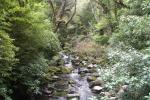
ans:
(37, 44)
(101, 39)
(31, 29)
(7, 61)
(88, 48)
(133, 31)
(128, 54)
(139, 7)
(128, 67)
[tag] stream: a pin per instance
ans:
(79, 89)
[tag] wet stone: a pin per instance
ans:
(83, 70)
(97, 89)
(97, 82)
(91, 78)
(73, 97)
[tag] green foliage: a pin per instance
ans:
(128, 53)
(133, 31)
(33, 33)
(139, 7)
(7, 60)
(103, 23)
(128, 67)
(33, 74)
(31, 29)
(101, 39)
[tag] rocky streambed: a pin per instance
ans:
(83, 82)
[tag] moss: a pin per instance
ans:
(66, 70)
(60, 93)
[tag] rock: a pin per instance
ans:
(107, 94)
(55, 77)
(112, 98)
(97, 89)
(90, 66)
(112, 93)
(92, 70)
(61, 85)
(46, 92)
(91, 78)
(66, 70)
(97, 82)
(71, 82)
(72, 89)
(122, 91)
(83, 70)
(69, 65)
(124, 87)
(95, 75)
(73, 97)
(84, 63)
(72, 92)
(60, 93)
(75, 63)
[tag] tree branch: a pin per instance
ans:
(120, 3)
(52, 6)
(75, 7)
(60, 14)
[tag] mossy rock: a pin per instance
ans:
(91, 78)
(53, 70)
(60, 93)
(66, 70)
(60, 70)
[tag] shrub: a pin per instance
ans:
(101, 39)
(133, 31)
(88, 48)
(127, 67)
(31, 29)
(7, 62)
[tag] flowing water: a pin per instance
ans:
(80, 89)
(81, 86)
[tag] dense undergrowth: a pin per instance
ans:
(27, 43)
